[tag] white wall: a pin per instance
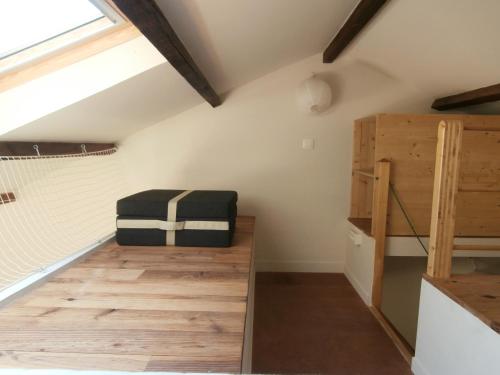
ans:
(450, 340)
(252, 144)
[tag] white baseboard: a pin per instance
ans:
(365, 295)
(417, 368)
(298, 266)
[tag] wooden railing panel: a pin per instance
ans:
(379, 224)
(444, 198)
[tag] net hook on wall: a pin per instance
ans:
(84, 148)
(37, 149)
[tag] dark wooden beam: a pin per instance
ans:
(359, 18)
(149, 19)
(473, 97)
(7, 198)
(50, 148)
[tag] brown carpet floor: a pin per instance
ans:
(316, 323)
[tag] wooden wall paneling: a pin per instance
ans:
(442, 230)
(356, 165)
(363, 160)
(379, 222)
(480, 166)
(479, 211)
(369, 131)
(409, 142)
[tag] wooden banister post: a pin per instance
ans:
(446, 178)
(379, 224)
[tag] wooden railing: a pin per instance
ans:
(444, 202)
(444, 199)
(379, 225)
(380, 204)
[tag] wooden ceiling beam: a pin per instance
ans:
(7, 198)
(359, 18)
(465, 99)
(50, 148)
(152, 23)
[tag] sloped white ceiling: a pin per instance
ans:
(237, 41)
(233, 42)
(114, 113)
(441, 47)
(435, 47)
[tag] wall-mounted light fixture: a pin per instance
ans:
(314, 95)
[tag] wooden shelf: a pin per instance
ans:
(363, 224)
(476, 247)
(478, 293)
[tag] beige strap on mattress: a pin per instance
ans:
(172, 215)
(167, 225)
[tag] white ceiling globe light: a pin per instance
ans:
(314, 95)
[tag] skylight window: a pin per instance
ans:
(33, 28)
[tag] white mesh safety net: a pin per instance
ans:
(62, 204)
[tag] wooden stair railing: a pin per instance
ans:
(444, 202)
(444, 199)
(379, 225)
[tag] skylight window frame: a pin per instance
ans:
(109, 11)
(66, 40)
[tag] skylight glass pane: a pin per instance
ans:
(25, 23)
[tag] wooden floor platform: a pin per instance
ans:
(136, 309)
(478, 293)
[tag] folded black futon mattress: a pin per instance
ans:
(177, 217)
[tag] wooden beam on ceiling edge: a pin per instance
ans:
(359, 18)
(473, 97)
(7, 198)
(152, 23)
(50, 148)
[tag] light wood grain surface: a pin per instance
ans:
(444, 199)
(136, 309)
(409, 142)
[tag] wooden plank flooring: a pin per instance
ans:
(136, 309)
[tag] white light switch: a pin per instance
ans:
(308, 144)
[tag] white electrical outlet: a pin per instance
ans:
(308, 144)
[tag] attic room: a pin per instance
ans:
(249, 186)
